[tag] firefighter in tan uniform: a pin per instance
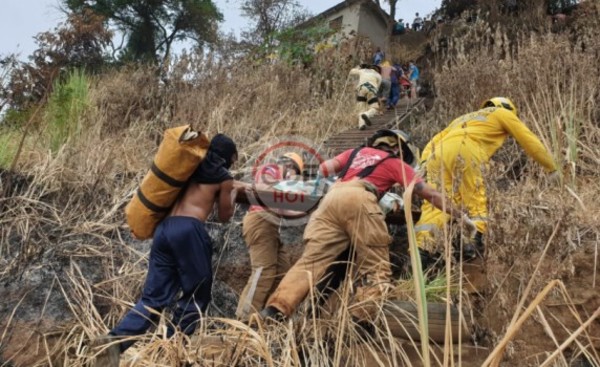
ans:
(269, 258)
(349, 216)
(456, 157)
(367, 102)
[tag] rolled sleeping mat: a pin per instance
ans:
(179, 154)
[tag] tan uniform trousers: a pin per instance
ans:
(266, 252)
(348, 215)
(369, 105)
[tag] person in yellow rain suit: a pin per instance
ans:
(456, 157)
(367, 102)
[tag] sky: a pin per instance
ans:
(21, 20)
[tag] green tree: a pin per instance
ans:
(268, 17)
(296, 45)
(151, 26)
(79, 43)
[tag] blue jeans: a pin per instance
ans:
(394, 95)
(180, 259)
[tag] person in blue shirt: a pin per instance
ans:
(399, 27)
(378, 56)
(413, 76)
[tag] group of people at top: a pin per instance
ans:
(381, 85)
(348, 225)
(417, 25)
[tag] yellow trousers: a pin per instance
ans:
(267, 256)
(347, 216)
(457, 166)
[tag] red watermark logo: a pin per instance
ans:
(283, 181)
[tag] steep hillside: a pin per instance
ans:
(70, 269)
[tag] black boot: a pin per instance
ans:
(272, 313)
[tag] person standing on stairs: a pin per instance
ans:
(413, 76)
(367, 102)
(394, 97)
(386, 84)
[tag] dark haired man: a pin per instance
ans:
(181, 254)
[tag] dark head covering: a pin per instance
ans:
(215, 166)
(224, 147)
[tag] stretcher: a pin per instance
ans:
(298, 201)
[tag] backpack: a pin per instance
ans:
(179, 154)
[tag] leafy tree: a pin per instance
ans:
(270, 17)
(79, 43)
(296, 45)
(151, 26)
(453, 8)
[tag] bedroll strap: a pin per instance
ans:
(166, 178)
(150, 205)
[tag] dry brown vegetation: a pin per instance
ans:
(70, 269)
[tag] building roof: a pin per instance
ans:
(383, 16)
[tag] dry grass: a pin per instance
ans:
(64, 210)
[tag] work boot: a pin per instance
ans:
(272, 313)
(366, 119)
(109, 356)
(474, 248)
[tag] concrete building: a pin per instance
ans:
(354, 17)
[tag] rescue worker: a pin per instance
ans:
(456, 158)
(269, 258)
(181, 254)
(349, 217)
(367, 102)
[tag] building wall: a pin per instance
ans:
(358, 19)
(350, 19)
(371, 26)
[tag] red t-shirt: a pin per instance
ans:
(269, 174)
(385, 175)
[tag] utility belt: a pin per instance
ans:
(359, 184)
(370, 87)
(364, 99)
(371, 188)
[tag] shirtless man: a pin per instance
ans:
(180, 257)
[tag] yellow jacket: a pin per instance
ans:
(367, 76)
(487, 129)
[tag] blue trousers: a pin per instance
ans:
(180, 259)
(394, 95)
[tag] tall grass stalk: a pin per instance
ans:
(8, 146)
(417, 274)
(66, 105)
